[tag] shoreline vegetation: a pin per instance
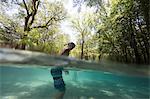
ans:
(114, 30)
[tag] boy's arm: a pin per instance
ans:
(64, 51)
(66, 71)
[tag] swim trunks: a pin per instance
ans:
(58, 79)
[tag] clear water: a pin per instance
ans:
(85, 80)
(37, 83)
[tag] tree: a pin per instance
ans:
(130, 21)
(9, 30)
(32, 10)
(38, 21)
(83, 26)
(122, 29)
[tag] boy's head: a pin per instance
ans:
(71, 45)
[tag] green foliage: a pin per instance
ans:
(122, 30)
(42, 34)
(45, 40)
(86, 43)
(9, 29)
(117, 29)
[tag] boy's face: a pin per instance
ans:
(70, 46)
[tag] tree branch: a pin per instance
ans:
(49, 22)
(45, 25)
(26, 7)
(35, 8)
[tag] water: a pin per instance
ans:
(37, 83)
(28, 81)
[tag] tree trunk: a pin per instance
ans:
(29, 19)
(82, 47)
(134, 44)
(23, 45)
(145, 40)
(126, 55)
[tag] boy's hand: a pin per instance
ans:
(66, 72)
(61, 64)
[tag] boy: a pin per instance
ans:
(57, 74)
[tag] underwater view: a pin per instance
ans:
(37, 83)
(27, 81)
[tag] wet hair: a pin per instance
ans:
(73, 45)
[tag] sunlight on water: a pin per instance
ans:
(30, 79)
